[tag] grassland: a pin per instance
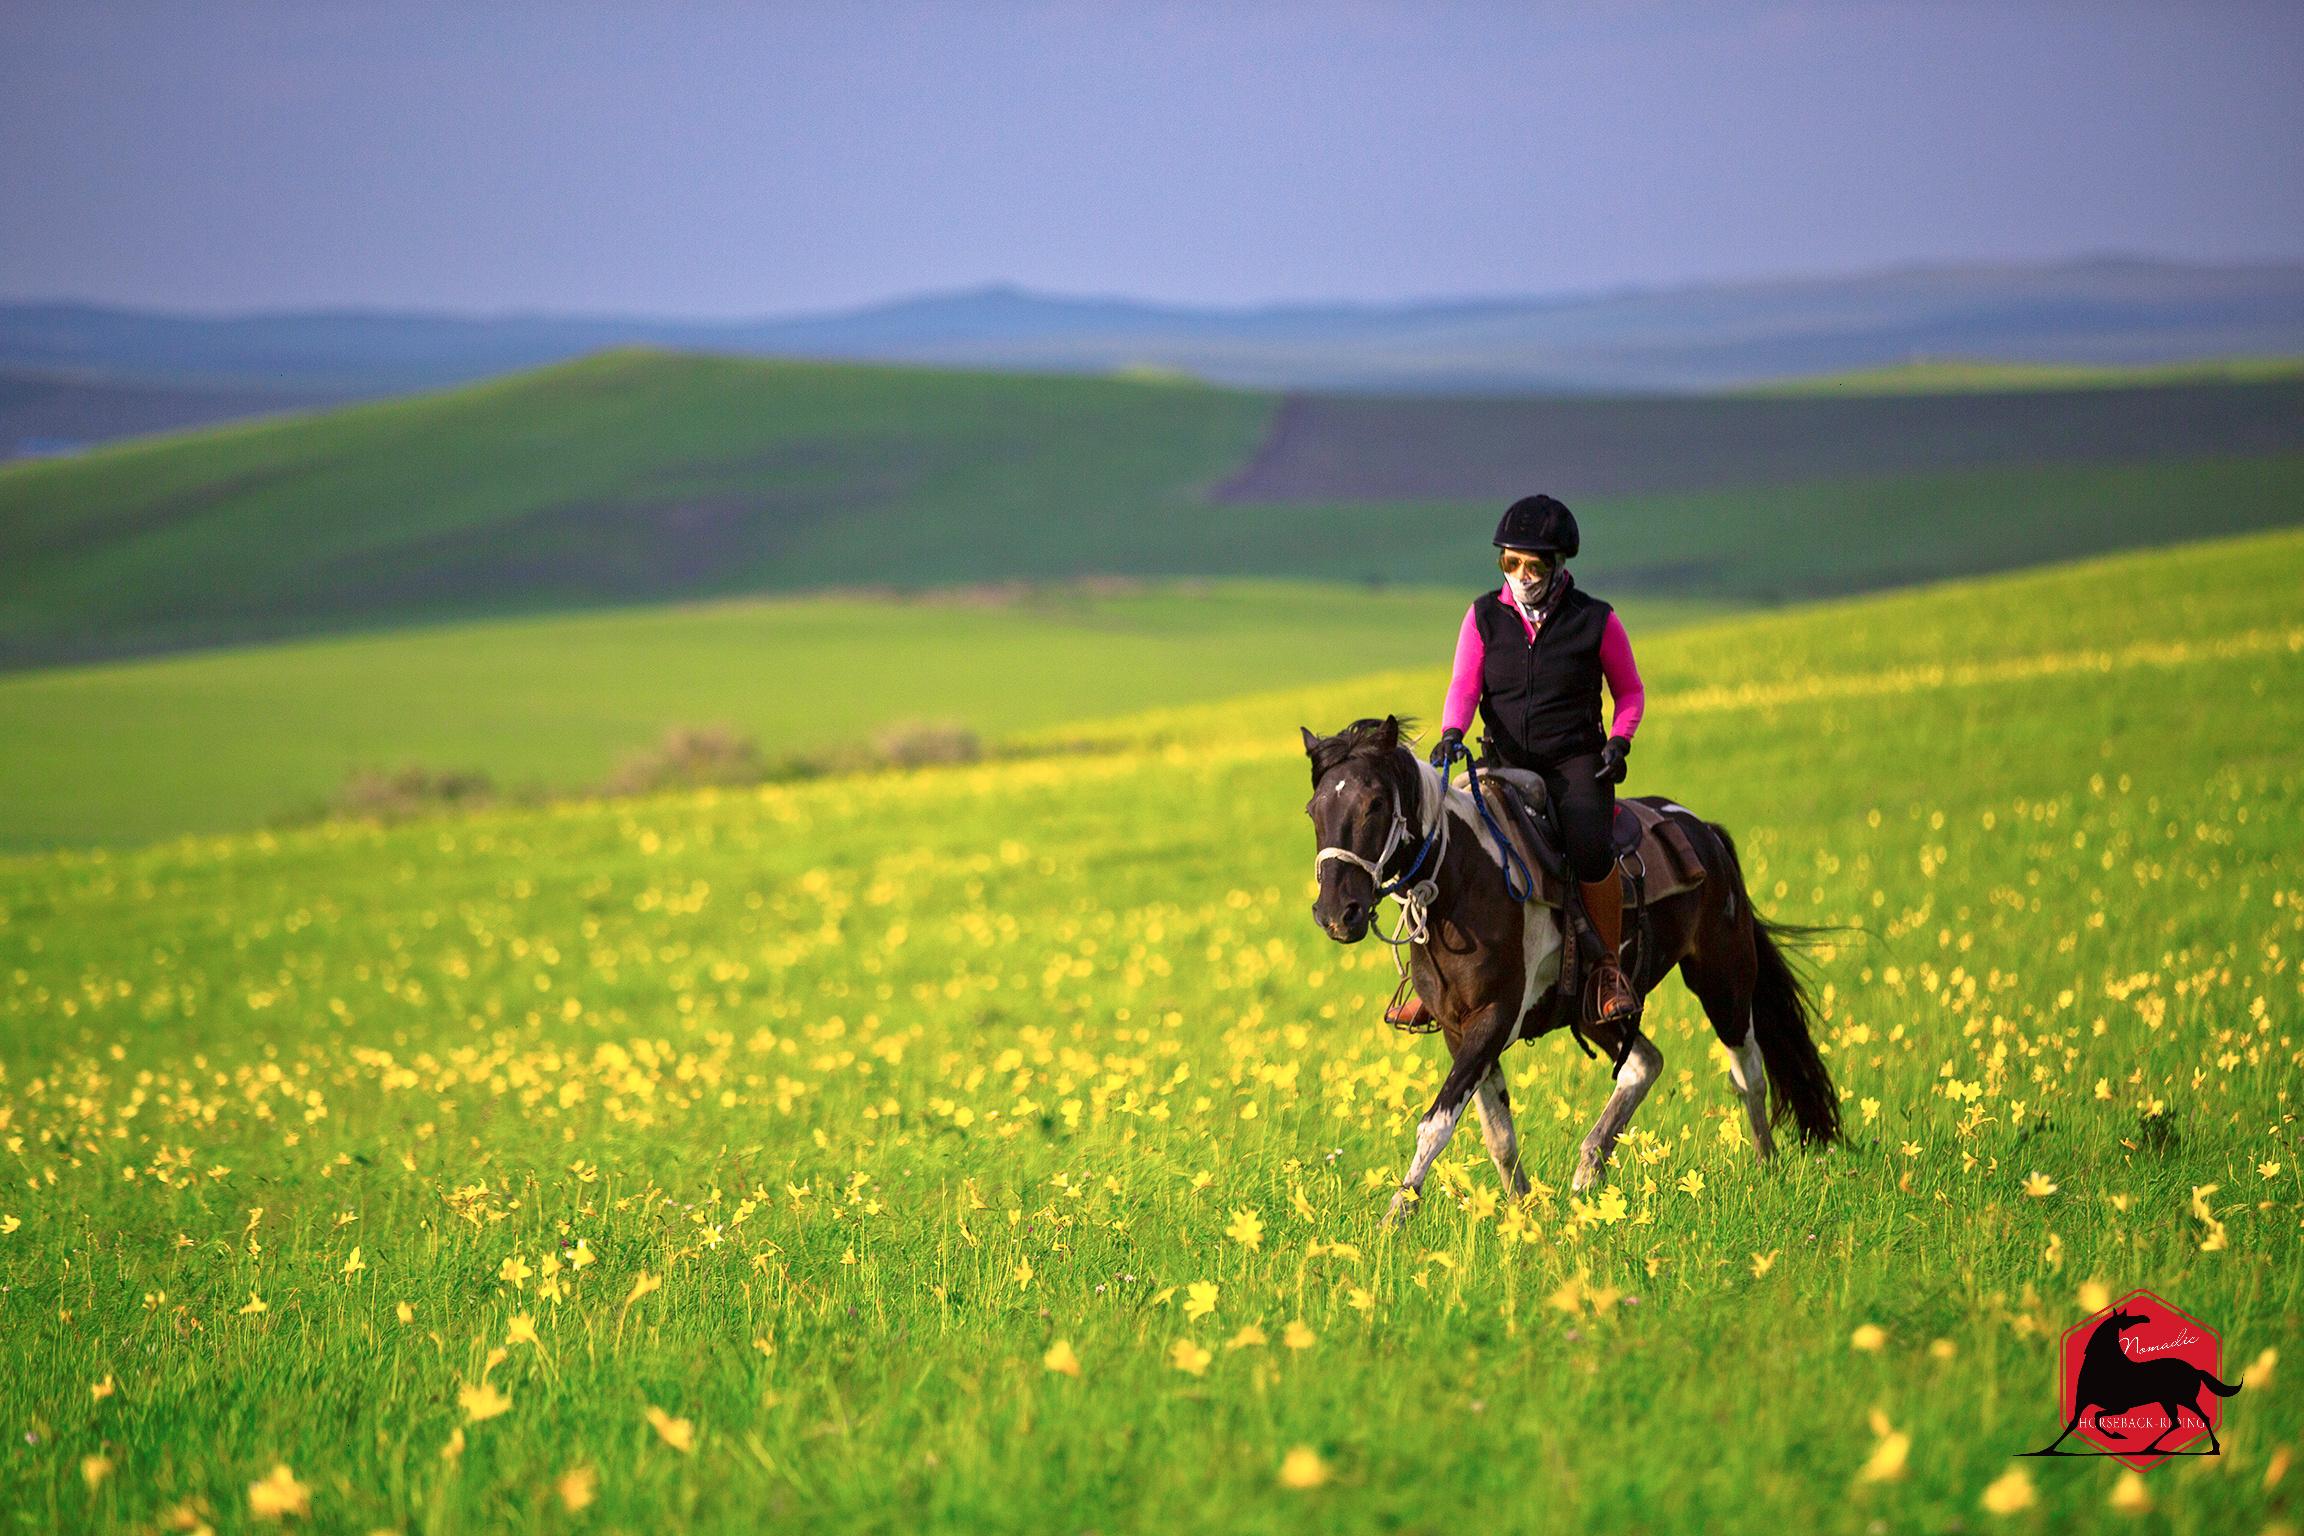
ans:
(1003, 1148)
(639, 477)
(631, 476)
(221, 741)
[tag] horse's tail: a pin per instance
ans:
(1782, 1017)
(2221, 1389)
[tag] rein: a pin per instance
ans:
(1525, 887)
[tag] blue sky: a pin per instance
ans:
(715, 159)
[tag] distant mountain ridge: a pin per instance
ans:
(2106, 311)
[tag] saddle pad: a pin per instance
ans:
(1667, 854)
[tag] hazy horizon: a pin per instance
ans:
(737, 161)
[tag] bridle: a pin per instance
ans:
(1415, 895)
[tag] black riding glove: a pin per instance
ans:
(1451, 742)
(1612, 760)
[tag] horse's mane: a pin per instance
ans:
(1361, 741)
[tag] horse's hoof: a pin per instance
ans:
(1403, 1207)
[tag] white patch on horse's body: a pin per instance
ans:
(1495, 1111)
(1750, 1075)
(1642, 1064)
(1540, 951)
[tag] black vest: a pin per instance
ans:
(1540, 699)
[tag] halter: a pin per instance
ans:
(1415, 895)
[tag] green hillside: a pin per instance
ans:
(935, 1150)
(240, 737)
(638, 477)
(631, 476)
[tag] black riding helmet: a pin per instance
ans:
(1542, 524)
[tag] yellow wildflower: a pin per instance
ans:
(2009, 1492)
(1302, 1468)
(1189, 1357)
(1199, 1299)
(277, 1495)
(578, 1487)
(1061, 1359)
(482, 1402)
(2130, 1496)
(1247, 1229)
(679, 1434)
(1297, 1336)
(1891, 1447)
(1868, 1338)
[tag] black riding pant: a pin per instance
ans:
(1586, 808)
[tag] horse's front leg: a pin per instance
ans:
(1642, 1063)
(1483, 1040)
(1494, 1106)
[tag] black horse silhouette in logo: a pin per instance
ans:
(2110, 1382)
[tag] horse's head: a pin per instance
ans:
(2105, 1339)
(1359, 803)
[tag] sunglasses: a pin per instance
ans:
(1514, 563)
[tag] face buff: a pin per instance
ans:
(1528, 593)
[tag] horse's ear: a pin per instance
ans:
(1391, 734)
(1311, 742)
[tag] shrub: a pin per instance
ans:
(690, 757)
(376, 794)
(916, 743)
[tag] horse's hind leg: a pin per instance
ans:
(1494, 1107)
(1724, 986)
(1643, 1063)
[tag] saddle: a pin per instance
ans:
(1652, 844)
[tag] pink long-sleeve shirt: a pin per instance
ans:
(1616, 667)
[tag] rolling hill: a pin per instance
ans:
(938, 1149)
(2109, 311)
(637, 477)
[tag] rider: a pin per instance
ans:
(1532, 655)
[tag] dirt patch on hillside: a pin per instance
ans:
(1347, 448)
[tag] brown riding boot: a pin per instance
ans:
(1408, 1013)
(1604, 905)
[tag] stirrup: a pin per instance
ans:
(1409, 1012)
(1629, 1009)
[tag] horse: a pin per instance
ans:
(2110, 1382)
(1486, 963)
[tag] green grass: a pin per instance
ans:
(628, 476)
(636, 477)
(1944, 376)
(239, 738)
(894, 1083)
